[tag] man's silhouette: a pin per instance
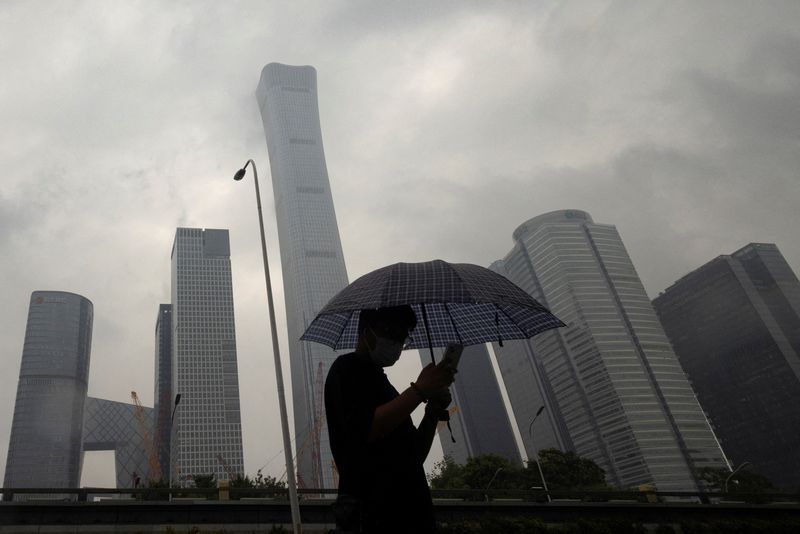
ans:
(378, 451)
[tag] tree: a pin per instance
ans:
(269, 484)
(447, 474)
(562, 470)
(205, 481)
(744, 481)
(567, 470)
(480, 471)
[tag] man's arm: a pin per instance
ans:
(434, 412)
(432, 381)
(425, 433)
(389, 416)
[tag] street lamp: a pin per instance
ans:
(741, 466)
(171, 424)
(177, 401)
(490, 482)
(287, 446)
(536, 453)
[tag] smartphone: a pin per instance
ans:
(452, 355)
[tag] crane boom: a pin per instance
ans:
(152, 456)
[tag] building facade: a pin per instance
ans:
(207, 430)
(735, 325)
(45, 444)
(311, 252)
(115, 426)
(162, 394)
(478, 415)
(612, 388)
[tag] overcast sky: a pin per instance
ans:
(445, 126)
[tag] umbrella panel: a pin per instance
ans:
(468, 324)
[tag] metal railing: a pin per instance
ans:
(498, 495)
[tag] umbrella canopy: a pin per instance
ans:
(457, 302)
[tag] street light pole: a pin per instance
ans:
(536, 453)
(490, 483)
(741, 466)
(171, 423)
(287, 446)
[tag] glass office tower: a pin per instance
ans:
(207, 428)
(311, 251)
(478, 417)
(611, 385)
(162, 394)
(735, 326)
(45, 444)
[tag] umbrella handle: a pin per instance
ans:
(430, 346)
(427, 331)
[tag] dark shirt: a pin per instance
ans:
(386, 476)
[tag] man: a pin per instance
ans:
(378, 451)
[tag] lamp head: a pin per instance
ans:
(239, 174)
(540, 411)
(177, 399)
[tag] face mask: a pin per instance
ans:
(386, 351)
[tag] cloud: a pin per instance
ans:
(446, 125)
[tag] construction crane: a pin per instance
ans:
(335, 473)
(159, 444)
(152, 456)
(225, 466)
(319, 418)
(313, 438)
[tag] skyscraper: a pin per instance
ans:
(311, 252)
(735, 326)
(612, 387)
(45, 444)
(208, 428)
(162, 394)
(478, 415)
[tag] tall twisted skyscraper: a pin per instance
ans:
(208, 427)
(46, 433)
(611, 385)
(311, 251)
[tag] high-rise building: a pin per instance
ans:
(478, 415)
(311, 252)
(45, 444)
(162, 394)
(611, 385)
(735, 325)
(208, 428)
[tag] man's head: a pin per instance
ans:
(382, 333)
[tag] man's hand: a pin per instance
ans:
(434, 380)
(437, 406)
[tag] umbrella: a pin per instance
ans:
(455, 302)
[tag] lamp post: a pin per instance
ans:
(536, 453)
(171, 422)
(741, 466)
(287, 446)
(490, 483)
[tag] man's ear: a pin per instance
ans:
(368, 336)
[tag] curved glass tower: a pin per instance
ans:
(613, 387)
(46, 433)
(311, 251)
